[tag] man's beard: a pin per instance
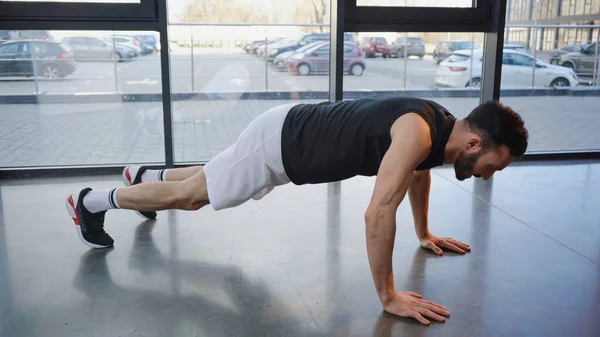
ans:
(465, 164)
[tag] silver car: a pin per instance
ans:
(415, 46)
(582, 62)
(99, 49)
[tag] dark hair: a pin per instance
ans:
(499, 125)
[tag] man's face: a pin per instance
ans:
(474, 161)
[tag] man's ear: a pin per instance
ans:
(474, 143)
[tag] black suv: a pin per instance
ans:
(52, 59)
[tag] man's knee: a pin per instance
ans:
(192, 193)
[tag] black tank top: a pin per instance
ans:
(335, 141)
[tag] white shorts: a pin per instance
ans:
(251, 167)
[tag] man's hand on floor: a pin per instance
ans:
(409, 304)
(436, 244)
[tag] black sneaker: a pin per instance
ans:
(90, 226)
(130, 181)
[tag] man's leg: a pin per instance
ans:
(189, 194)
(250, 168)
(133, 175)
(130, 173)
(87, 208)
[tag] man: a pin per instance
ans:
(397, 139)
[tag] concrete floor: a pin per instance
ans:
(295, 263)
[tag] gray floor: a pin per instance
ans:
(295, 263)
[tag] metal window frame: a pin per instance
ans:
(417, 19)
(492, 53)
(28, 12)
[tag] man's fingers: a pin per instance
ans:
(418, 317)
(432, 246)
(459, 244)
(430, 314)
(449, 245)
(435, 304)
(434, 308)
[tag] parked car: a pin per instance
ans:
(50, 60)
(557, 54)
(280, 61)
(305, 40)
(445, 48)
(517, 47)
(101, 49)
(132, 42)
(582, 62)
(149, 40)
(415, 46)
(375, 46)
(257, 45)
(312, 37)
(272, 48)
(316, 60)
(250, 45)
(517, 71)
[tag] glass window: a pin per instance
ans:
(302, 12)
(507, 59)
(461, 45)
(41, 48)
(418, 64)
(82, 115)
(521, 60)
(418, 3)
(421, 69)
(224, 76)
(552, 60)
(323, 50)
(9, 49)
(96, 42)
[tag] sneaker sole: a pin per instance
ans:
(70, 204)
(128, 183)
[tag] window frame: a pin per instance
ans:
(417, 19)
(67, 12)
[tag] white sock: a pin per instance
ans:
(99, 201)
(153, 175)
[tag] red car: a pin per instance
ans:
(373, 46)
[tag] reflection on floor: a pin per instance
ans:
(295, 263)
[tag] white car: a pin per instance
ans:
(517, 71)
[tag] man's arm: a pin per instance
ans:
(410, 145)
(418, 193)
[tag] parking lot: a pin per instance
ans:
(221, 71)
(93, 133)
